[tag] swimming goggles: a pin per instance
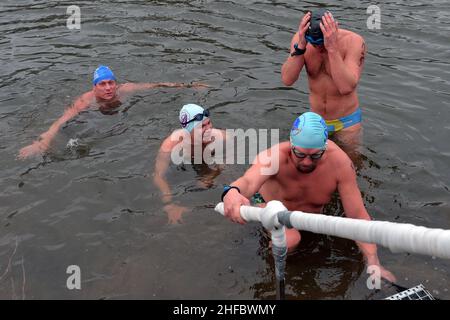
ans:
(302, 155)
(318, 41)
(197, 117)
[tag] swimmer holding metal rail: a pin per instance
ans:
(106, 94)
(311, 168)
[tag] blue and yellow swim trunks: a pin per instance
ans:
(344, 122)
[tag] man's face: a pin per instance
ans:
(205, 128)
(105, 90)
(306, 160)
(320, 47)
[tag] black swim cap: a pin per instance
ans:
(314, 24)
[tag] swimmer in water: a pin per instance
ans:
(311, 169)
(334, 60)
(106, 94)
(196, 132)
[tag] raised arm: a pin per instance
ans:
(354, 208)
(43, 143)
(292, 67)
(345, 72)
(130, 87)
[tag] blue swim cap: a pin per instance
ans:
(309, 131)
(103, 73)
(188, 112)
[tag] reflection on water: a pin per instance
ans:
(322, 267)
(94, 204)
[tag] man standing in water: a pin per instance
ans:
(106, 94)
(334, 60)
(311, 169)
(197, 134)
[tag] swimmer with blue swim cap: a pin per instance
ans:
(308, 139)
(309, 131)
(105, 86)
(304, 174)
(103, 73)
(106, 95)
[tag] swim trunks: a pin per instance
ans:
(344, 122)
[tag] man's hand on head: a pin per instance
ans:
(330, 29)
(303, 27)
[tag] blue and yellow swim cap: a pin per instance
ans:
(187, 113)
(102, 73)
(309, 131)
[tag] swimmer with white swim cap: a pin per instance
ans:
(106, 94)
(310, 169)
(196, 132)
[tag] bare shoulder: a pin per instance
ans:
(351, 39)
(350, 35)
(285, 148)
(125, 87)
(88, 95)
(83, 101)
(339, 160)
(221, 134)
(278, 153)
(173, 139)
(281, 151)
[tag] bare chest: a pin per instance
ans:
(305, 192)
(317, 65)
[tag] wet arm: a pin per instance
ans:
(134, 87)
(45, 139)
(354, 207)
(161, 166)
(253, 179)
(347, 72)
(290, 72)
(79, 105)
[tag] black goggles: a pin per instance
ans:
(197, 117)
(301, 155)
